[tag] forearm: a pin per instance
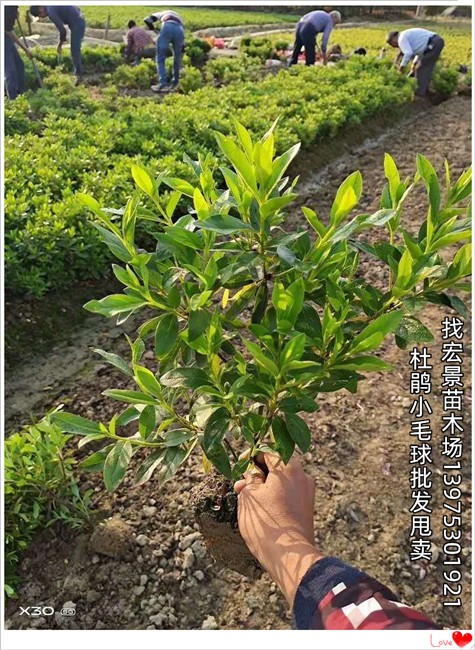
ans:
(325, 39)
(18, 42)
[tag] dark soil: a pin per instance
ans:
(359, 459)
(216, 511)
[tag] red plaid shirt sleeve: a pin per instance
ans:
(335, 596)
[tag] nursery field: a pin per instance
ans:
(71, 141)
(458, 42)
(195, 18)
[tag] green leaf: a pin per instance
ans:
(392, 174)
(148, 466)
(130, 396)
(173, 458)
(186, 378)
(238, 160)
(284, 444)
(69, 423)
(115, 244)
(95, 462)
(180, 185)
(260, 304)
(314, 221)
(299, 431)
(147, 381)
(144, 181)
(216, 428)
(346, 198)
(115, 304)
(116, 464)
(296, 404)
(404, 271)
(115, 360)
(363, 363)
(198, 323)
(166, 335)
(411, 244)
(279, 166)
(411, 330)
(308, 321)
(276, 204)
(223, 224)
(294, 349)
(261, 358)
(184, 237)
(176, 437)
(376, 331)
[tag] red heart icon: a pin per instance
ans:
(462, 639)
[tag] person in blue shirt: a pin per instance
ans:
(309, 26)
(73, 18)
(423, 48)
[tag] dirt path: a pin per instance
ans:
(360, 461)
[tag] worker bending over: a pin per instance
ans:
(308, 28)
(14, 67)
(172, 33)
(140, 44)
(421, 43)
(73, 18)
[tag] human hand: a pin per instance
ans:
(275, 516)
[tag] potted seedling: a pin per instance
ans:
(251, 320)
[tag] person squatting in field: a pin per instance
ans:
(308, 28)
(14, 66)
(172, 33)
(275, 516)
(423, 48)
(140, 44)
(73, 18)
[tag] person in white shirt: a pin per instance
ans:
(422, 46)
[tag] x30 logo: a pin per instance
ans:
(45, 611)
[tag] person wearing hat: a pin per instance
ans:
(308, 28)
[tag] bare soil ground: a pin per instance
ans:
(359, 458)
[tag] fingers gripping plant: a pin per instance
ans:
(251, 320)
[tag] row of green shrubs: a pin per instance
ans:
(41, 490)
(60, 140)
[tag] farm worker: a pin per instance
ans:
(14, 67)
(172, 33)
(140, 43)
(73, 18)
(275, 516)
(309, 26)
(423, 44)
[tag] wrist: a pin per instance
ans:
(289, 561)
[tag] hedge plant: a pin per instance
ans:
(251, 319)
